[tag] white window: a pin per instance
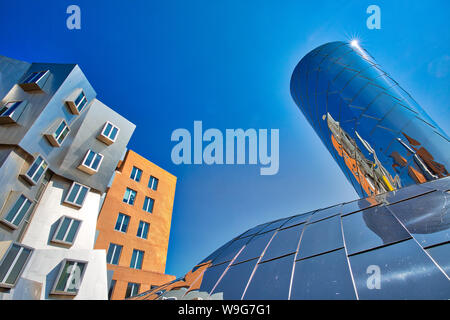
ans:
(143, 230)
(17, 212)
(57, 137)
(36, 170)
(77, 101)
(76, 195)
(12, 264)
(91, 162)
(122, 222)
(66, 230)
(136, 174)
(113, 255)
(69, 278)
(109, 133)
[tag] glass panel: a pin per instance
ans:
(89, 158)
(111, 289)
(40, 171)
(140, 257)
(358, 205)
(10, 108)
(110, 253)
(73, 231)
(254, 230)
(320, 237)
(82, 195)
(233, 283)
(211, 276)
(126, 219)
(119, 221)
(113, 133)
(18, 266)
(64, 277)
(63, 229)
(35, 166)
(59, 129)
(325, 213)
(139, 232)
(133, 259)
(402, 194)
(229, 252)
(76, 281)
(115, 259)
(63, 135)
(441, 255)
(14, 210)
(97, 160)
(7, 262)
(146, 225)
(325, 277)
(73, 193)
(132, 197)
(255, 247)
(371, 228)
(271, 280)
(302, 218)
(398, 271)
(284, 242)
(427, 217)
(274, 225)
(107, 129)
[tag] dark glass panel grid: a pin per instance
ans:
(371, 228)
(211, 276)
(325, 213)
(406, 272)
(326, 276)
(302, 218)
(255, 247)
(284, 242)
(321, 237)
(233, 283)
(271, 280)
(230, 252)
(426, 217)
(441, 254)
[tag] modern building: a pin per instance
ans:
(394, 243)
(134, 226)
(59, 147)
(377, 133)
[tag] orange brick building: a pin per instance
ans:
(134, 226)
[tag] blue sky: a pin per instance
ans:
(164, 64)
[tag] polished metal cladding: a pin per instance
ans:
(377, 133)
(402, 236)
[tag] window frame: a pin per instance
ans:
(148, 200)
(106, 138)
(3, 284)
(121, 224)
(63, 264)
(133, 266)
(144, 223)
(73, 97)
(131, 293)
(61, 220)
(114, 252)
(153, 183)
(88, 169)
(54, 140)
(137, 171)
(29, 178)
(66, 199)
(28, 85)
(11, 224)
(129, 196)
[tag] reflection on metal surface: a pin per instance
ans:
(404, 233)
(377, 133)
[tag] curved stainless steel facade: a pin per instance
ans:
(377, 133)
(334, 253)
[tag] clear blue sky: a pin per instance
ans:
(164, 64)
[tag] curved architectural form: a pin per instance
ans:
(391, 246)
(380, 137)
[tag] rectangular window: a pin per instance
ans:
(109, 133)
(136, 259)
(66, 231)
(111, 288)
(36, 170)
(8, 109)
(136, 174)
(91, 162)
(143, 229)
(113, 255)
(69, 277)
(80, 102)
(122, 222)
(34, 77)
(153, 183)
(132, 289)
(77, 194)
(56, 138)
(13, 263)
(148, 204)
(18, 211)
(130, 196)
